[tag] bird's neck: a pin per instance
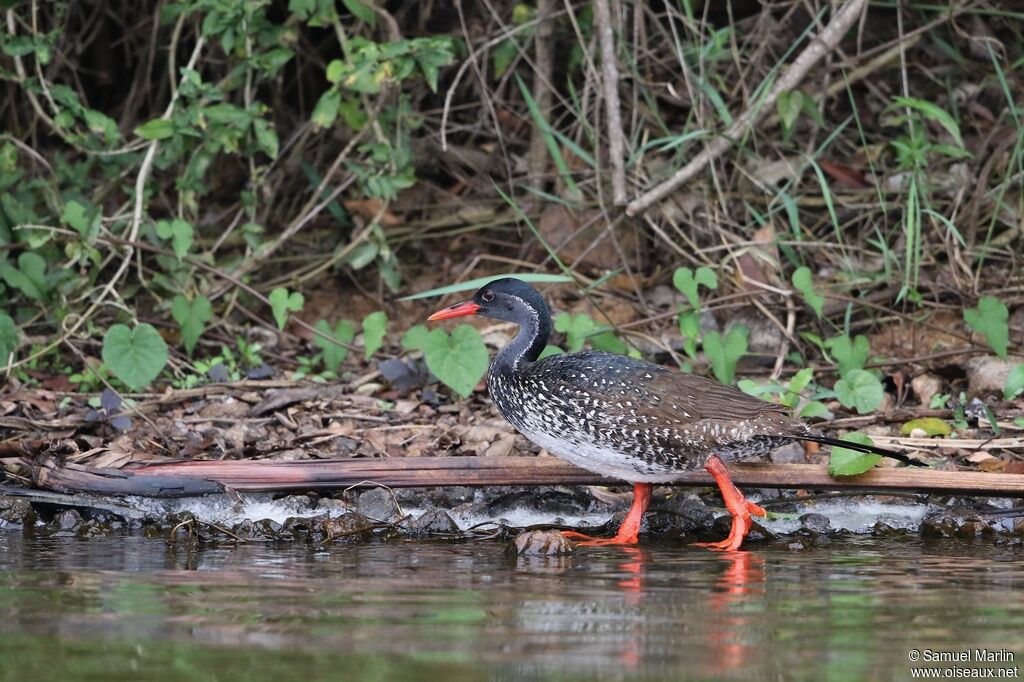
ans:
(534, 330)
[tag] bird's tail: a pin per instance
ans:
(867, 449)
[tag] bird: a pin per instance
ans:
(627, 418)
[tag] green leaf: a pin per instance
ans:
(266, 137)
(135, 356)
(815, 408)
(861, 390)
(334, 353)
(80, 218)
(846, 462)
(326, 110)
(609, 343)
(474, 284)
(688, 282)
(802, 282)
(157, 129)
(374, 326)
(549, 350)
(9, 339)
(361, 10)
(723, 354)
(990, 318)
(192, 317)
(576, 329)
(179, 232)
(458, 360)
(29, 277)
(789, 105)
(1014, 383)
(415, 338)
(931, 112)
(932, 426)
(282, 302)
(850, 354)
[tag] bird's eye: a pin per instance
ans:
(487, 296)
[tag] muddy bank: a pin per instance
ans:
(505, 514)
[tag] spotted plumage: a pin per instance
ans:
(626, 418)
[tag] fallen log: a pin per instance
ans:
(198, 477)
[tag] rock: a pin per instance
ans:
(815, 524)
(296, 503)
(378, 503)
(347, 527)
(435, 522)
(67, 520)
(987, 374)
(790, 453)
(926, 387)
(329, 504)
(963, 523)
(542, 543)
(681, 514)
(15, 510)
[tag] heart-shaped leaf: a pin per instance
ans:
(850, 354)
(932, 426)
(459, 360)
(846, 462)
(157, 129)
(334, 353)
(8, 338)
(192, 316)
(688, 282)
(179, 232)
(415, 338)
(83, 219)
(861, 390)
(990, 318)
(576, 329)
(135, 356)
(802, 282)
(1014, 380)
(29, 277)
(282, 302)
(374, 327)
(724, 352)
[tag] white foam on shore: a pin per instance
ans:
(856, 515)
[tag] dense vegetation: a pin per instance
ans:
(174, 177)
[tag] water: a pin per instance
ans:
(142, 609)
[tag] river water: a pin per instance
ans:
(137, 608)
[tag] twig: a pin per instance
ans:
(819, 46)
(612, 107)
(537, 157)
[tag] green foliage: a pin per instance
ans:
(29, 277)
(724, 353)
(846, 462)
(374, 327)
(990, 319)
(790, 105)
(803, 283)
(860, 390)
(282, 302)
(135, 356)
(932, 426)
(333, 352)
(9, 339)
(576, 329)
(1013, 387)
(788, 394)
(179, 232)
(689, 283)
(849, 353)
(191, 316)
(458, 360)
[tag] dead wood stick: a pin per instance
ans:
(537, 157)
(612, 107)
(819, 46)
(197, 477)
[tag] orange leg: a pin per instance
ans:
(629, 531)
(738, 507)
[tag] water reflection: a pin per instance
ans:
(468, 611)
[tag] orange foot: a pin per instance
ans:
(739, 507)
(590, 541)
(629, 531)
